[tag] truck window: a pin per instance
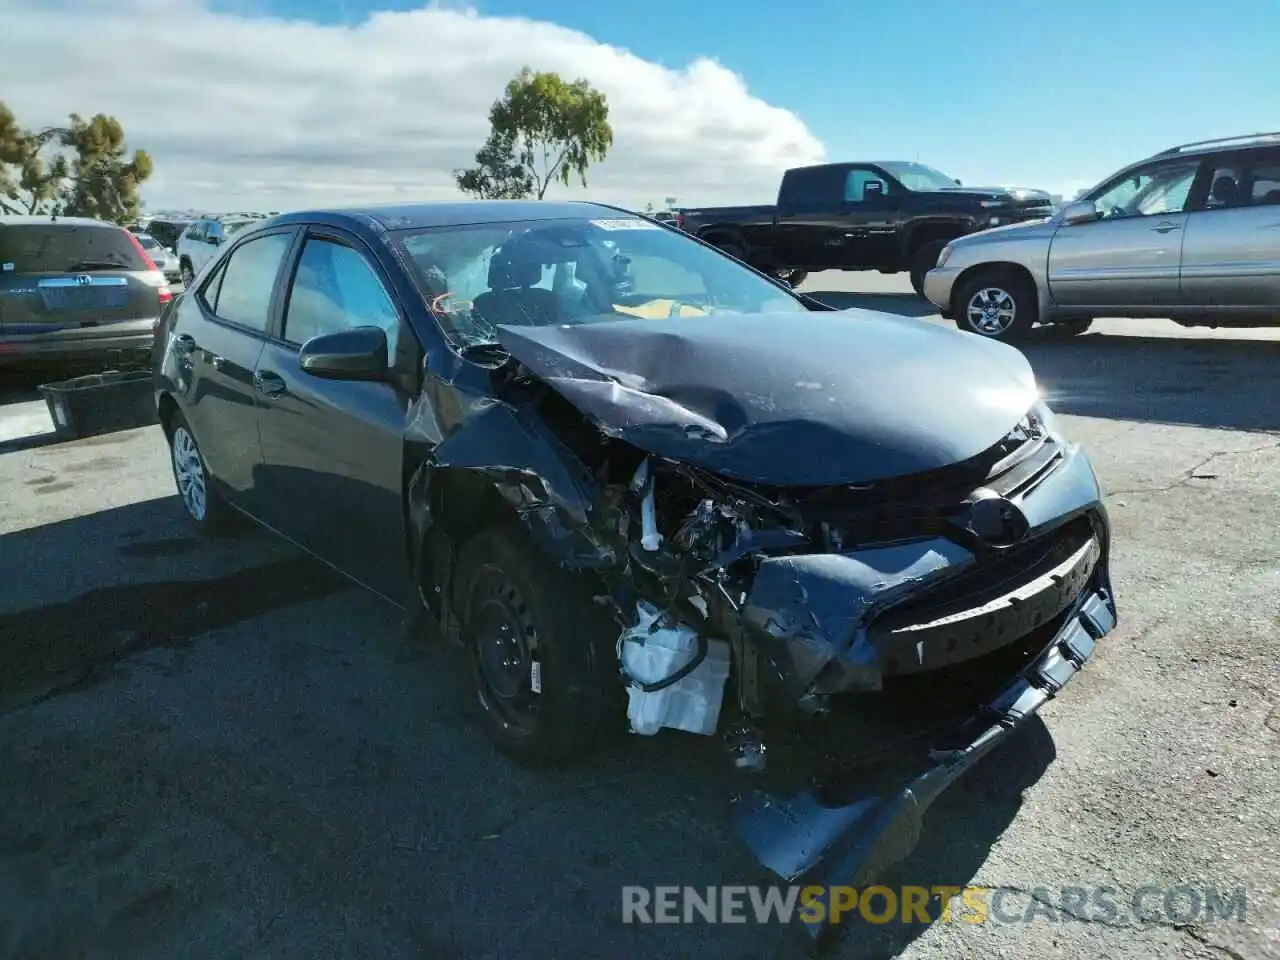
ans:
(863, 185)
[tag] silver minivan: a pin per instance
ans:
(1191, 234)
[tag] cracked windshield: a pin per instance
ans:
(573, 271)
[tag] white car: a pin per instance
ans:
(199, 243)
(166, 260)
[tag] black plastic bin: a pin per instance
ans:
(101, 403)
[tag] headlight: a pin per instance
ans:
(1045, 418)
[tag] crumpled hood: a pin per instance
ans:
(811, 399)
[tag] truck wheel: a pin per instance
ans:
(792, 278)
(1072, 328)
(922, 261)
(996, 304)
(543, 655)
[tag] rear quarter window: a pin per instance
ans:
(65, 247)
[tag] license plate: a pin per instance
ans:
(100, 293)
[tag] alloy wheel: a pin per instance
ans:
(188, 471)
(991, 311)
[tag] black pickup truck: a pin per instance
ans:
(887, 216)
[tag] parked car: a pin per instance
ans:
(167, 231)
(166, 260)
(888, 216)
(75, 290)
(202, 238)
(1191, 234)
(616, 466)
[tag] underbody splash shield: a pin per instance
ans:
(808, 841)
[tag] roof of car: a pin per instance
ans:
(416, 216)
(15, 220)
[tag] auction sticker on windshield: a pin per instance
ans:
(625, 225)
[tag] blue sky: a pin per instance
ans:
(1008, 91)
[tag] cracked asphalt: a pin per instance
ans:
(213, 749)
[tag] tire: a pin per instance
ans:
(1072, 328)
(186, 274)
(204, 506)
(922, 261)
(511, 599)
(1004, 304)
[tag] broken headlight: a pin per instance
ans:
(1043, 420)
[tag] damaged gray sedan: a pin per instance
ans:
(646, 487)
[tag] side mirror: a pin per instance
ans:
(958, 183)
(356, 354)
(1079, 211)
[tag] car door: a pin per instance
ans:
(810, 217)
(1131, 255)
(208, 245)
(870, 234)
(216, 341)
(1231, 256)
(334, 450)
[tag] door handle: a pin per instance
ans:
(268, 384)
(1165, 227)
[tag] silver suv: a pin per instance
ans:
(1191, 234)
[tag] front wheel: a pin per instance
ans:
(543, 655)
(998, 305)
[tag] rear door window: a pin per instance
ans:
(66, 248)
(243, 296)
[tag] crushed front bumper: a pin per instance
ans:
(806, 840)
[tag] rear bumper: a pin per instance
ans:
(116, 343)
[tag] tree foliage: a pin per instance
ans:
(83, 169)
(543, 130)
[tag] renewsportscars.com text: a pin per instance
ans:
(917, 904)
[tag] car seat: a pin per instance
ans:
(513, 298)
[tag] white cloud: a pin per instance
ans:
(249, 112)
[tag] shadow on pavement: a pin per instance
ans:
(903, 304)
(219, 741)
(1223, 384)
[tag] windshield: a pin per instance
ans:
(916, 176)
(540, 272)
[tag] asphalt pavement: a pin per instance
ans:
(220, 748)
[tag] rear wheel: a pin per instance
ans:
(543, 655)
(200, 499)
(1072, 328)
(998, 305)
(792, 278)
(922, 261)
